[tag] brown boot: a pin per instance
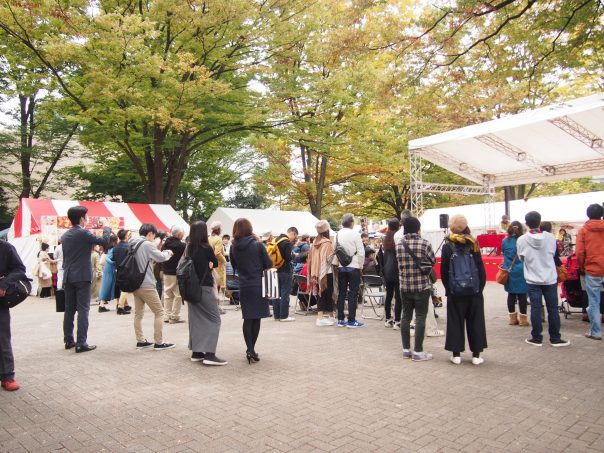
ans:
(513, 319)
(523, 320)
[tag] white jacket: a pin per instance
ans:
(351, 242)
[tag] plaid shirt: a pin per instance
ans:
(410, 277)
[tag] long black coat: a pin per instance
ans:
(249, 259)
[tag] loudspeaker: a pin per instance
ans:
(444, 221)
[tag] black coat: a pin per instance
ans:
(249, 259)
(447, 251)
(10, 263)
(388, 264)
(177, 247)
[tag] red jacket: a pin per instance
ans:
(590, 248)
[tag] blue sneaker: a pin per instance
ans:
(355, 324)
(342, 323)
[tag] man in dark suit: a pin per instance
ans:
(10, 266)
(77, 276)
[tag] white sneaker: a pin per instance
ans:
(323, 322)
(288, 319)
(396, 326)
(477, 360)
(455, 360)
(389, 324)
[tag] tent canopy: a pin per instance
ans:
(264, 220)
(557, 142)
(560, 209)
(28, 219)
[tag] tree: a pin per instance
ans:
(157, 81)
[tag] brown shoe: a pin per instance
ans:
(513, 319)
(523, 320)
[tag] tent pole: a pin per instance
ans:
(415, 173)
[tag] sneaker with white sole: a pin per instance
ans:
(560, 343)
(342, 323)
(162, 346)
(355, 324)
(407, 354)
(197, 356)
(455, 360)
(144, 345)
(477, 360)
(288, 319)
(389, 323)
(213, 360)
(396, 326)
(533, 342)
(421, 356)
(323, 322)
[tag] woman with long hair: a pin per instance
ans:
(44, 272)
(516, 286)
(463, 310)
(320, 274)
(107, 292)
(390, 273)
(249, 259)
(204, 317)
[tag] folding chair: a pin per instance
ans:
(302, 279)
(373, 292)
(234, 304)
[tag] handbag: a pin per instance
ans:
(426, 269)
(270, 281)
(562, 273)
(503, 274)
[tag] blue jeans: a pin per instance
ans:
(77, 298)
(348, 284)
(593, 285)
(550, 294)
(281, 305)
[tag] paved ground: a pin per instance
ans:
(323, 389)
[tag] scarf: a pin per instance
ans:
(319, 260)
(463, 239)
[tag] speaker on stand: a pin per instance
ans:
(444, 221)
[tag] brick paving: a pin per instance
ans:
(315, 389)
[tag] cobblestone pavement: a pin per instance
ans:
(315, 389)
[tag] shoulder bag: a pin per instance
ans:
(425, 268)
(503, 274)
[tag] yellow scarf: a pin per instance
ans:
(463, 238)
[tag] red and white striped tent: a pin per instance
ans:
(27, 224)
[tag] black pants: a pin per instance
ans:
(45, 292)
(417, 302)
(325, 302)
(521, 298)
(7, 361)
(251, 330)
(393, 289)
(77, 298)
(468, 311)
(348, 285)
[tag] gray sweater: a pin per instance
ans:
(147, 253)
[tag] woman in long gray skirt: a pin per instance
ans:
(204, 317)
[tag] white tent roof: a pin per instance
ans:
(264, 220)
(561, 141)
(563, 209)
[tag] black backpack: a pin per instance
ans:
(129, 277)
(344, 258)
(188, 281)
(463, 273)
(18, 287)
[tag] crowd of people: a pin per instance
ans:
(333, 273)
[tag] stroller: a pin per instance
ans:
(572, 295)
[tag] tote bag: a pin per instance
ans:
(270, 284)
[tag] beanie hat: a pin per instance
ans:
(458, 223)
(411, 225)
(322, 226)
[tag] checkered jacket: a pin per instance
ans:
(410, 277)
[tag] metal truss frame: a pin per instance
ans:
(584, 135)
(419, 187)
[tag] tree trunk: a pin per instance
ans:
(26, 130)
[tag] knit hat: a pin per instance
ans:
(458, 223)
(322, 226)
(411, 225)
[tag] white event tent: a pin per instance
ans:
(560, 141)
(264, 220)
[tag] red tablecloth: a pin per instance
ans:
(491, 265)
(491, 241)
